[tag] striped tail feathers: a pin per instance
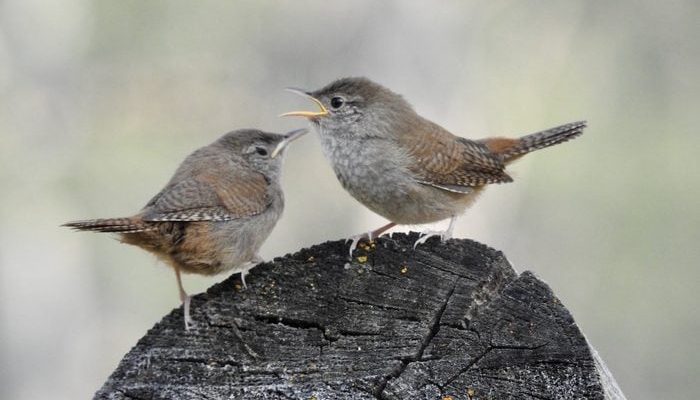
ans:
(117, 225)
(511, 149)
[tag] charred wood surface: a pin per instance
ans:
(446, 320)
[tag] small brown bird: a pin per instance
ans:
(404, 167)
(216, 211)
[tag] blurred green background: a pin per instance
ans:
(100, 101)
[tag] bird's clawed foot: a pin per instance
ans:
(357, 239)
(424, 236)
(444, 235)
(368, 236)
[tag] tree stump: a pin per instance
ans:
(447, 320)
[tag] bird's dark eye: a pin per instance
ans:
(261, 150)
(337, 102)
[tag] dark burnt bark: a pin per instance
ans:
(447, 319)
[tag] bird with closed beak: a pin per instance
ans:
(215, 212)
(404, 167)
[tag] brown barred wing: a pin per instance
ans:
(449, 162)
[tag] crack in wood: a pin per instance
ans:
(467, 367)
(296, 324)
(437, 267)
(380, 273)
(434, 329)
(484, 354)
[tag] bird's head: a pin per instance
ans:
(262, 151)
(353, 106)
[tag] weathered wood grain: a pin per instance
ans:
(448, 319)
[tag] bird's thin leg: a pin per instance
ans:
(185, 299)
(369, 236)
(450, 228)
(444, 235)
(248, 266)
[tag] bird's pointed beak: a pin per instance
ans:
(306, 114)
(288, 138)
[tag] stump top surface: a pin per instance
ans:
(445, 320)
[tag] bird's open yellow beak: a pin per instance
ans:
(288, 138)
(306, 114)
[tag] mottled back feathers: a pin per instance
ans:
(449, 162)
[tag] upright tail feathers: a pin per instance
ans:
(542, 139)
(118, 225)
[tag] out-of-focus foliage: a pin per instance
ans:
(99, 102)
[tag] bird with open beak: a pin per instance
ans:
(404, 167)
